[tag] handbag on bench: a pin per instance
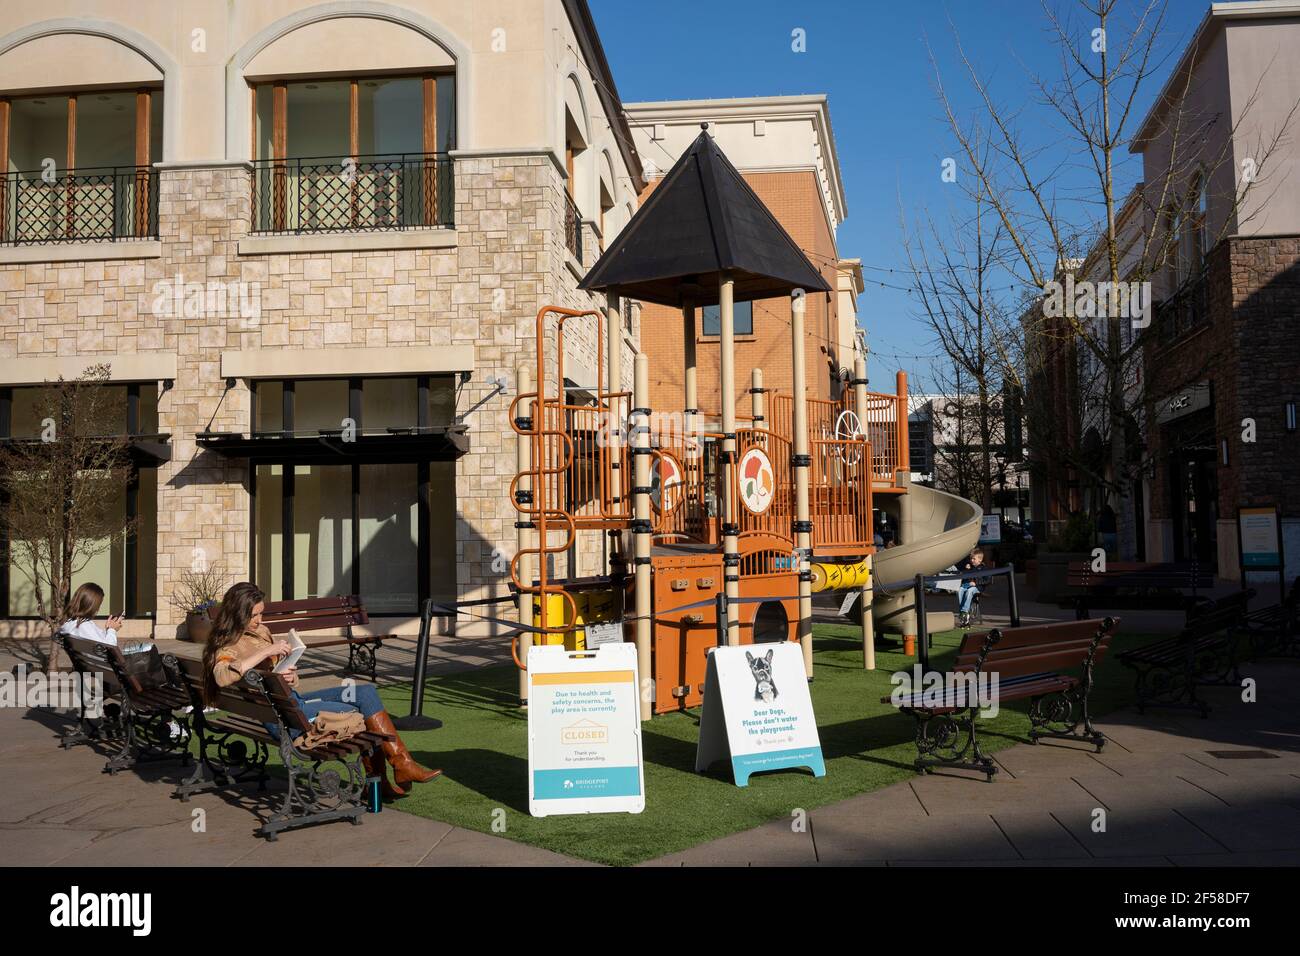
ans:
(145, 664)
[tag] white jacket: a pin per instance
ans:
(89, 630)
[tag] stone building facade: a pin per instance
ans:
(449, 304)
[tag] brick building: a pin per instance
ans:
(1223, 374)
(276, 220)
(784, 147)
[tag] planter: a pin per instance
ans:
(197, 628)
(1051, 575)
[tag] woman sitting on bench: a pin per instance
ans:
(240, 641)
(80, 618)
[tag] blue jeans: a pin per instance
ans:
(365, 699)
(966, 597)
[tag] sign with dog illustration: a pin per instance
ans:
(758, 712)
(584, 731)
(756, 480)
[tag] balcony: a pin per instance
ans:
(103, 204)
(572, 228)
(335, 194)
(1186, 310)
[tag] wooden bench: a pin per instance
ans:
(1027, 662)
(324, 783)
(1204, 652)
(328, 613)
(1127, 584)
(1274, 630)
(152, 724)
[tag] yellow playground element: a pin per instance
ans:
(592, 607)
(840, 577)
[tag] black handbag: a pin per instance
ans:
(146, 666)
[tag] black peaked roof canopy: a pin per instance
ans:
(702, 220)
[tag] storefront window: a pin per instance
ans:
(322, 530)
(389, 546)
(319, 404)
(388, 403)
(125, 564)
(356, 525)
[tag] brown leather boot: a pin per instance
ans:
(405, 769)
(377, 766)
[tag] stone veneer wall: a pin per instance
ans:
(509, 221)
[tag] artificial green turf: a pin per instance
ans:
(483, 750)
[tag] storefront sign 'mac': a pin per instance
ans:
(1191, 399)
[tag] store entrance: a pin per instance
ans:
(1193, 474)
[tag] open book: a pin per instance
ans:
(296, 647)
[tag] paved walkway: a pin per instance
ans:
(1167, 789)
(1171, 791)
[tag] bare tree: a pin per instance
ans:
(63, 490)
(1028, 176)
(963, 315)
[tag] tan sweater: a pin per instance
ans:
(226, 669)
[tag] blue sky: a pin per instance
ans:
(871, 59)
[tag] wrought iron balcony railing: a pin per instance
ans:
(572, 227)
(1185, 310)
(100, 204)
(346, 193)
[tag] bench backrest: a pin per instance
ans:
(272, 703)
(1134, 574)
(1238, 601)
(1036, 648)
(97, 657)
(315, 614)
(1213, 621)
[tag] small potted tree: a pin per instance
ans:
(196, 596)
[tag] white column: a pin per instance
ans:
(865, 599)
(641, 512)
(803, 538)
(523, 536)
(730, 538)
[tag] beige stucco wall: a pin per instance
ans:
(516, 56)
(466, 298)
(1245, 82)
(1264, 85)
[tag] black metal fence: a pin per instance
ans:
(343, 193)
(101, 204)
(572, 227)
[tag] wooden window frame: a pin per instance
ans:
(143, 151)
(428, 170)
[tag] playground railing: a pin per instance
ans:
(922, 581)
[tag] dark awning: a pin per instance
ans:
(398, 446)
(147, 451)
(702, 220)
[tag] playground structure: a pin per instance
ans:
(716, 523)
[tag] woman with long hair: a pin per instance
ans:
(240, 641)
(79, 618)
